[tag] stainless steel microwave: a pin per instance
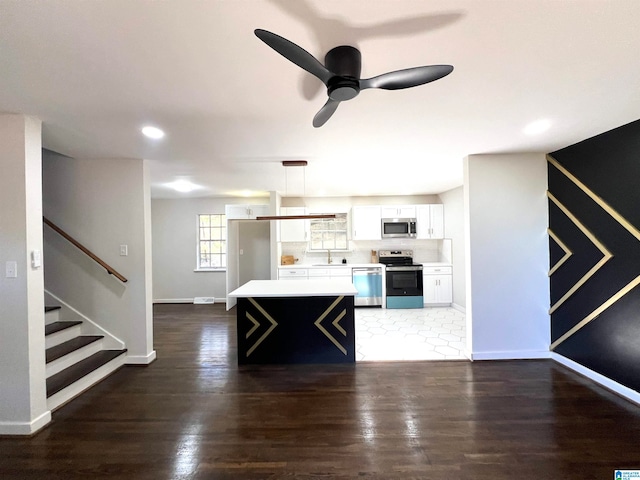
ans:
(399, 228)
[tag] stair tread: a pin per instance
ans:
(58, 326)
(69, 346)
(51, 308)
(66, 377)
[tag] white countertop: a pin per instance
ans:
(357, 265)
(330, 265)
(288, 288)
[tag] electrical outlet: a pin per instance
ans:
(124, 250)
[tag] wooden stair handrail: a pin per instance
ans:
(110, 270)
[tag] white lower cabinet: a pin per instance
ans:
(329, 273)
(319, 273)
(437, 285)
(293, 274)
(340, 274)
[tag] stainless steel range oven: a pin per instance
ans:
(403, 279)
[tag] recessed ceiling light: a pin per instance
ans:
(183, 186)
(152, 132)
(537, 127)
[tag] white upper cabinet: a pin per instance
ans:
(365, 223)
(430, 220)
(236, 212)
(403, 211)
(293, 230)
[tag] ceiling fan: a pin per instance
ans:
(341, 72)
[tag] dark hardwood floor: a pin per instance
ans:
(193, 414)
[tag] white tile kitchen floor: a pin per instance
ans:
(435, 333)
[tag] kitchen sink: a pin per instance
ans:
(328, 265)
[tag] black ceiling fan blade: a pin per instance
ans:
(295, 54)
(410, 77)
(325, 112)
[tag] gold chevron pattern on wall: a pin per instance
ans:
(256, 324)
(565, 249)
(606, 254)
(336, 323)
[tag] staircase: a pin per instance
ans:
(74, 362)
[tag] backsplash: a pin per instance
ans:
(424, 251)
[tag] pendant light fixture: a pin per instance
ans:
(296, 163)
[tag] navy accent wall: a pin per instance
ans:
(594, 224)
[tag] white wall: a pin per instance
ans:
(175, 237)
(453, 201)
(507, 256)
(254, 260)
(23, 406)
(103, 204)
(174, 226)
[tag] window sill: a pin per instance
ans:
(200, 270)
(324, 251)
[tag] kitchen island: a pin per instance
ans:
(280, 321)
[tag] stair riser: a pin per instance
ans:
(63, 396)
(62, 336)
(51, 317)
(61, 363)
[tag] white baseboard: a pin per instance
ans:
(606, 382)
(459, 308)
(467, 353)
(186, 300)
(511, 355)
(173, 300)
(140, 359)
(90, 327)
(25, 428)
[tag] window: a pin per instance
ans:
(212, 241)
(329, 233)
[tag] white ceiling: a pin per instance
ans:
(96, 71)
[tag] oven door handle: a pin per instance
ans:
(407, 268)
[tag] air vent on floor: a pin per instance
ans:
(203, 300)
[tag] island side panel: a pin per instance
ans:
(296, 330)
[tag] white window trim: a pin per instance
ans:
(347, 249)
(199, 269)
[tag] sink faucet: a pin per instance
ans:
(328, 256)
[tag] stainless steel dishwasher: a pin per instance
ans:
(368, 282)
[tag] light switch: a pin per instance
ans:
(124, 250)
(36, 259)
(11, 270)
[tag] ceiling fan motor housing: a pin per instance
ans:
(345, 62)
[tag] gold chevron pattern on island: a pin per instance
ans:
(256, 324)
(606, 254)
(339, 315)
(332, 310)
